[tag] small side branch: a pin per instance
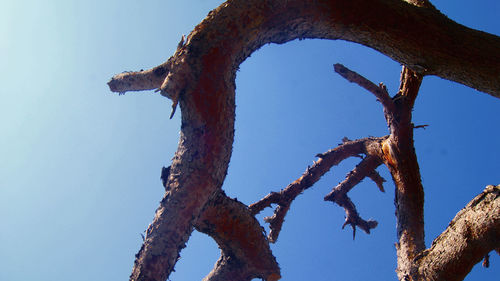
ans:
(366, 167)
(352, 216)
(285, 197)
(139, 80)
(377, 179)
(379, 91)
(339, 193)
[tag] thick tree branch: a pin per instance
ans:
(421, 38)
(471, 235)
(245, 252)
(402, 162)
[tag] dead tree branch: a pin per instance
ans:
(139, 80)
(326, 161)
(339, 194)
(398, 154)
(380, 91)
(245, 252)
(200, 77)
(470, 236)
(401, 161)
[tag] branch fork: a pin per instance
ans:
(326, 161)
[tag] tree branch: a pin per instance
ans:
(401, 160)
(139, 80)
(327, 160)
(245, 252)
(339, 194)
(398, 154)
(380, 91)
(419, 37)
(470, 236)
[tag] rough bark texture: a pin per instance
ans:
(471, 235)
(421, 38)
(245, 252)
(403, 165)
(200, 77)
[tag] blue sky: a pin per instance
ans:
(79, 176)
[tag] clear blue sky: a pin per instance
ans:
(80, 168)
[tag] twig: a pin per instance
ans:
(420, 126)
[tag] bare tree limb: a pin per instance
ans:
(139, 80)
(352, 217)
(377, 179)
(366, 167)
(470, 236)
(401, 160)
(419, 37)
(398, 154)
(339, 194)
(379, 91)
(144, 79)
(285, 197)
(245, 252)
(325, 162)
